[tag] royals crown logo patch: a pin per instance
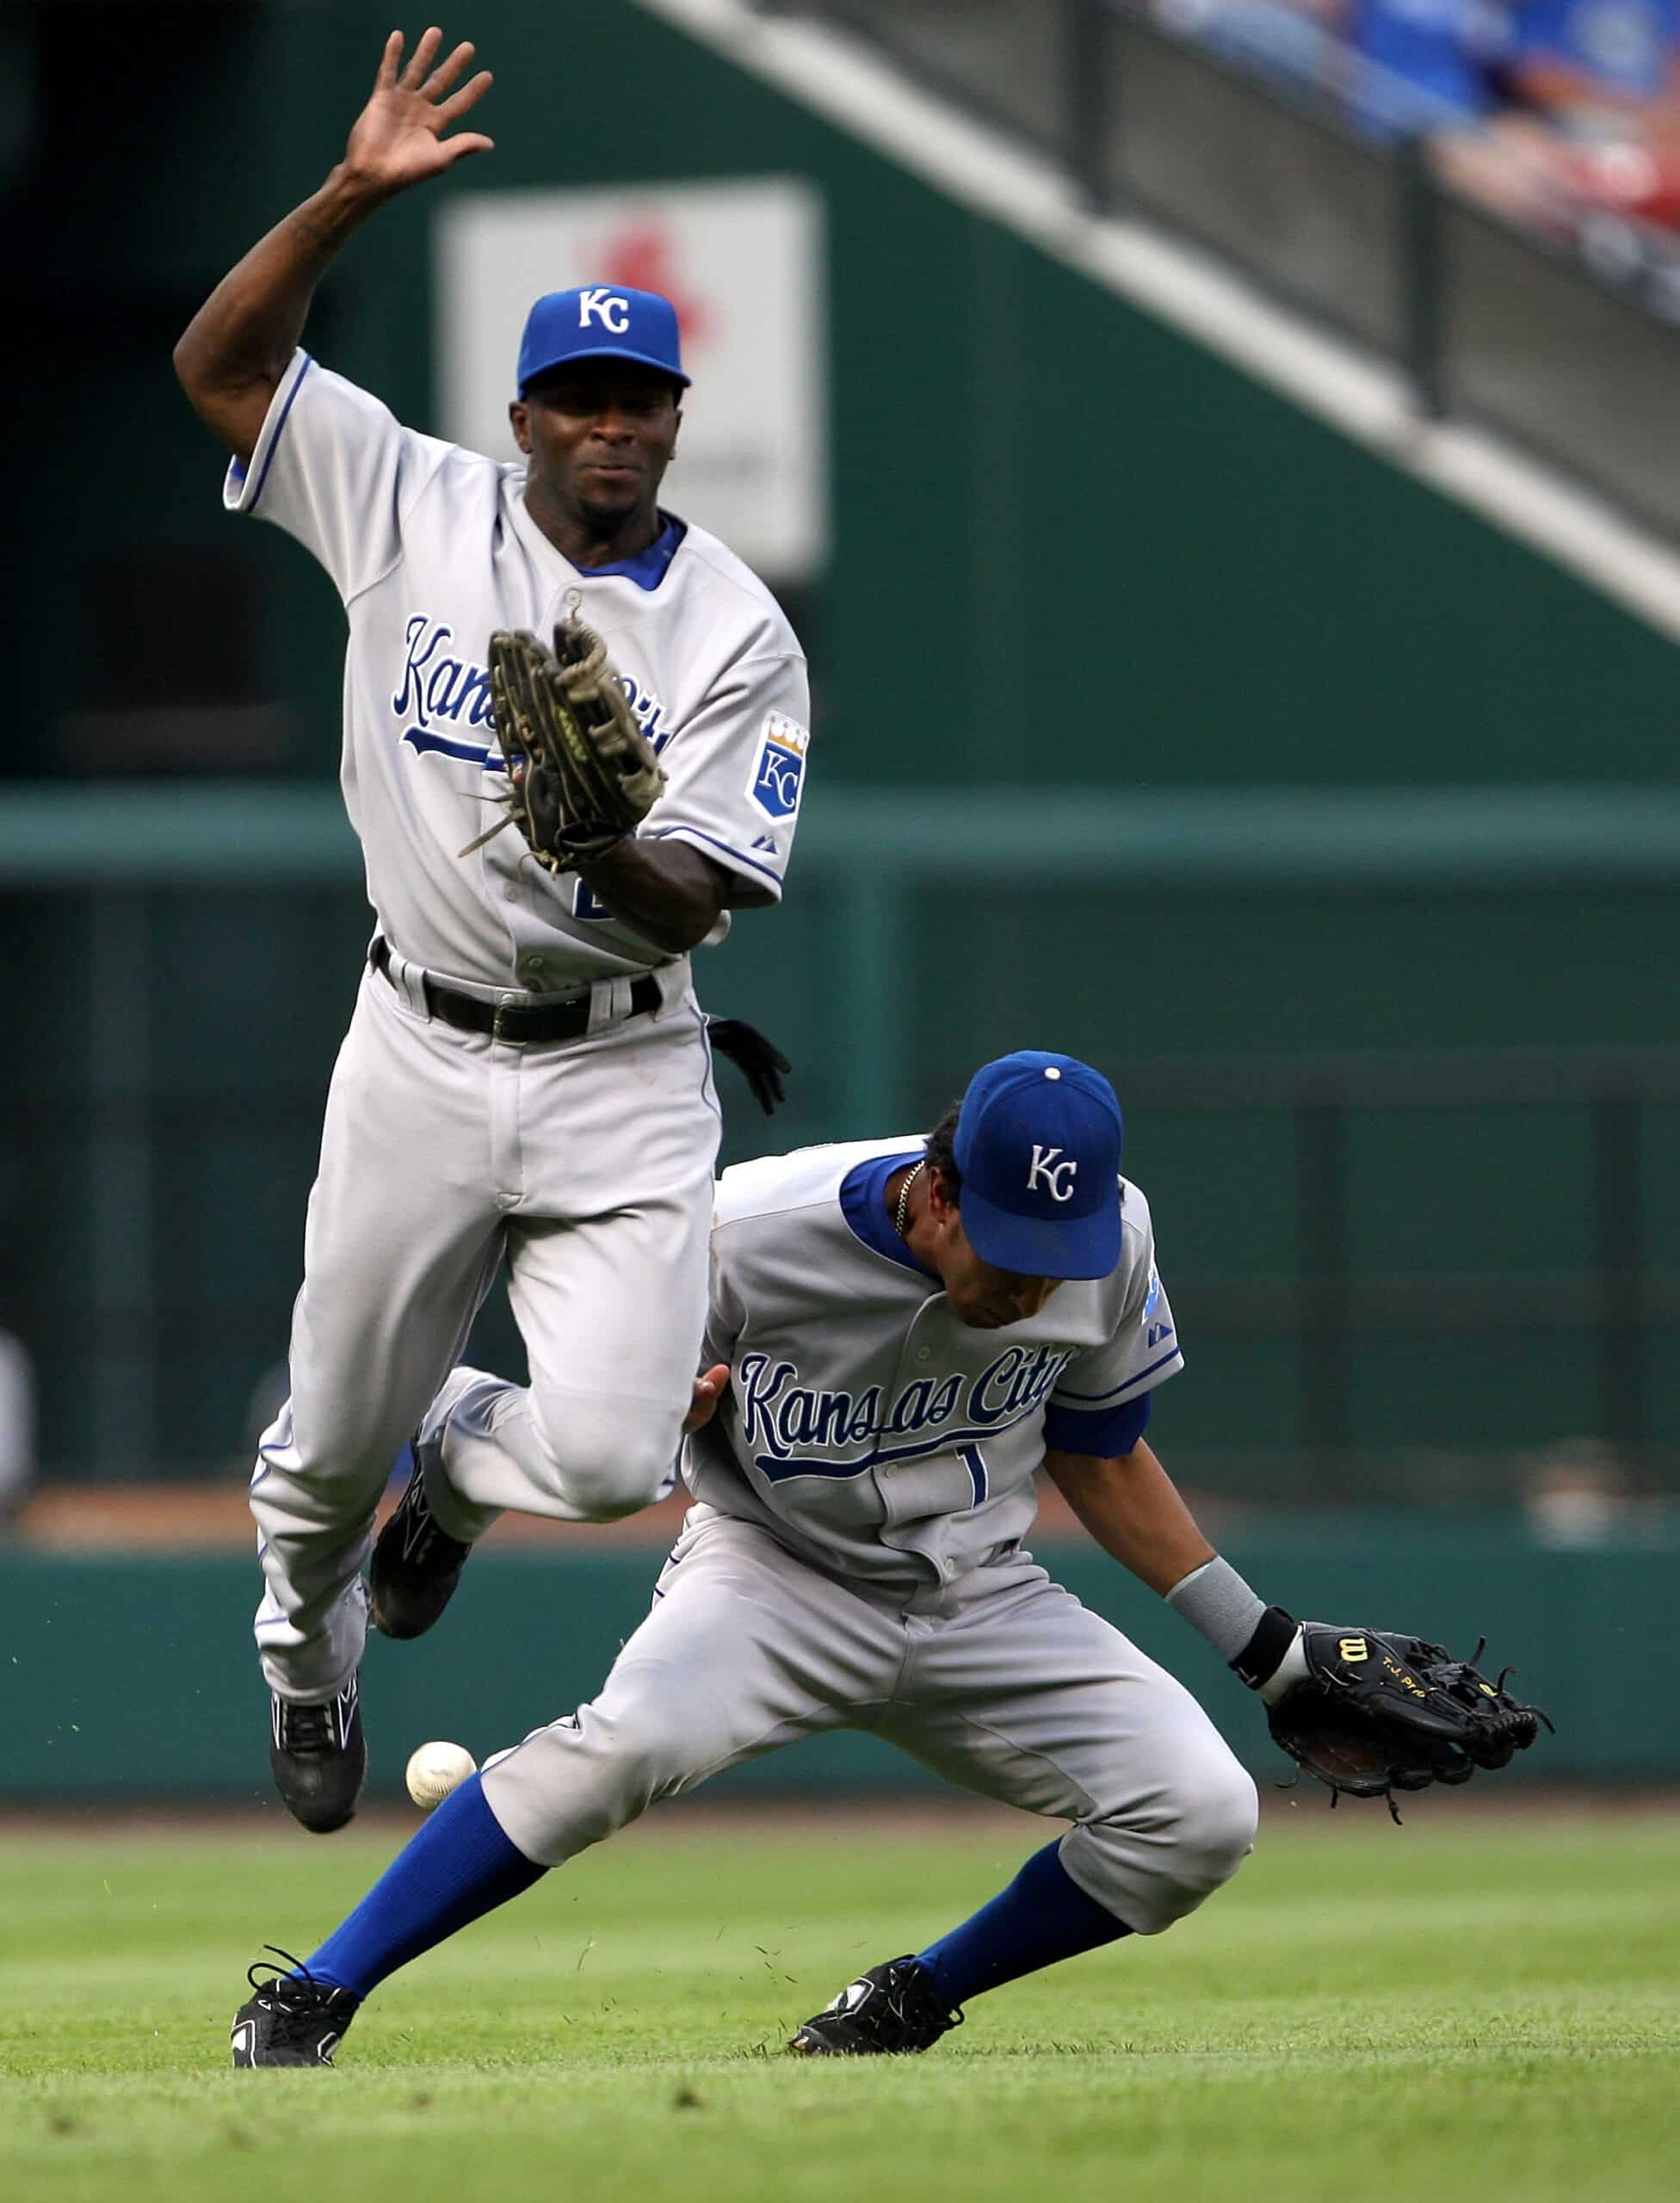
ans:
(778, 773)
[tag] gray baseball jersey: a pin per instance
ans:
(431, 549)
(863, 1423)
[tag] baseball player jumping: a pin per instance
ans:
(526, 1078)
(900, 1333)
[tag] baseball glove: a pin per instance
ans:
(582, 774)
(1378, 1713)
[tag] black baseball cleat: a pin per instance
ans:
(415, 1565)
(886, 2012)
(319, 1757)
(290, 2019)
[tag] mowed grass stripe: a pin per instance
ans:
(1454, 2009)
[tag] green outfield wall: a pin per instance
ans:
(132, 1678)
(185, 963)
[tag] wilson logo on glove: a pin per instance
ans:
(1411, 1717)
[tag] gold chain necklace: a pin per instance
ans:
(902, 1209)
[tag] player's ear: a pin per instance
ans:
(519, 413)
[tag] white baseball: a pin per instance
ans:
(436, 1769)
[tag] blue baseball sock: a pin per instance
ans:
(1043, 1916)
(459, 1867)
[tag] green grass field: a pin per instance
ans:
(1480, 2006)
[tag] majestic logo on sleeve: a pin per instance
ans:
(778, 770)
(781, 1416)
(1154, 1332)
(445, 699)
(1046, 1169)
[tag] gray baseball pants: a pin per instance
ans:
(1001, 1683)
(587, 1167)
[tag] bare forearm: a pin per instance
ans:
(671, 894)
(1133, 1508)
(234, 351)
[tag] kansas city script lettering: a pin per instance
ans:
(782, 1418)
(440, 689)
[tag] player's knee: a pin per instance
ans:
(609, 1459)
(1220, 1814)
(1156, 1857)
(620, 1479)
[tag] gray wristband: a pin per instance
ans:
(1216, 1601)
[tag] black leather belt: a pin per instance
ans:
(515, 1021)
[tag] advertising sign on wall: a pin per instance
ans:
(743, 263)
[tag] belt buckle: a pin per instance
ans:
(496, 1031)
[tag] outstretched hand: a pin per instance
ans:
(708, 1390)
(759, 1060)
(398, 138)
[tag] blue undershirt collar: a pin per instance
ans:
(648, 568)
(863, 1204)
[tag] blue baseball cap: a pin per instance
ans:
(599, 321)
(1038, 1143)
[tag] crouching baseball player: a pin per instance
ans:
(900, 1334)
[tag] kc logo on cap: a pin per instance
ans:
(608, 308)
(1037, 1148)
(1044, 1165)
(600, 321)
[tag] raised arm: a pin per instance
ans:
(231, 356)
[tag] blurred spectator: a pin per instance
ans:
(17, 1427)
(1534, 106)
(1403, 67)
(1293, 41)
(1544, 110)
(1605, 76)
(1428, 65)
(1615, 62)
